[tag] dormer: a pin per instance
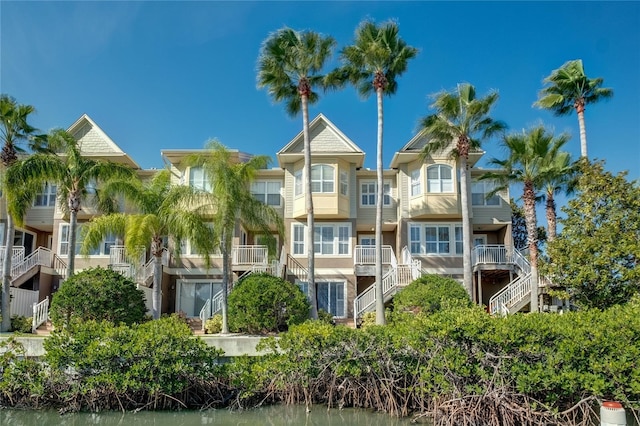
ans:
(334, 160)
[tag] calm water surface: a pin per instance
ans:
(272, 416)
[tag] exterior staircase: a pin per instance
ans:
(397, 277)
(515, 295)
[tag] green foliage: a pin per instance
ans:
(597, 254)
(431, 293)
(326, 317)
(155, 358)
(519, 227)
(263, 303)
(21, 324)
(214, 324)
(98, 294)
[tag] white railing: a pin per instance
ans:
(40, 314)
(22, 301)
(509, 296)
(366, 255)
(416, 264)
(249, 255)
(521, 262)
(59, 266)
(17, 254)
(42, 256)
(295, 268)
(148, 297)
(205, 312)
(216, 303)
(491, 254)
(366, 300)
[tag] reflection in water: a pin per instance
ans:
(271, 416)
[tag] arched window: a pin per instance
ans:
(439, 178)
(322, 178)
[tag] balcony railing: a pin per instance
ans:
(250, 255)
(366, 255)
(17, 254)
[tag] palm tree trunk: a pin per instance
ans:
(583, 133)
(6, 275)
(74, 207)
(551, 217)
(311, 281)
(226, 248)
(380, 319)
(157, 285)
(466, 226)
(529, 197)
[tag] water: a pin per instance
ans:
(271, 416)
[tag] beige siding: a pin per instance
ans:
(322, 139)
(91, 140)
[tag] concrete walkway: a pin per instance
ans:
(232, 344)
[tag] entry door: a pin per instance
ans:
(194, 294)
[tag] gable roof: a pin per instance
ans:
(325, 139)
(411, 151)
(94, 142)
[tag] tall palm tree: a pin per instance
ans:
(74, 175)
(372, 64)
(290, 68)
(462, 119)
(15, 129)
(568, 88)
(527, 162)
(231, 202)
(157, 215)
(559, 175)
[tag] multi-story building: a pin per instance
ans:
(422, 227)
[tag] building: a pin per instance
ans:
(422, 228)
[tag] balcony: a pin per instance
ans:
(243, 257)
(364, 259)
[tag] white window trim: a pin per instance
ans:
(423, 242)
(365, 236)
(336, 239)
(46, 191)
(298, 183)
(344, 183)
(100, 254)
(484, 194)
(440, 180)
(330, 280)
(375, 182)
(266, 191)
(206, 185)
(180, 282)
(415, 182)
(323, 179)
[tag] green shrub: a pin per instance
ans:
(326, 317)
(98, 294)
(431, 293)
(214, 324)
(263, 303)
(21, 324)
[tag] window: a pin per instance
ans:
(46, 197)
(322, 178)
(344, 183)
(369, 193)
(102, 249)
(367, 240)
(331, 298)
(442, 239)
(439, 178)
(198, 179)
(479, 191)
(328, 239)
(267, 192)
(297, 177)
(416, 188)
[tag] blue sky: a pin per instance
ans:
(167, 75)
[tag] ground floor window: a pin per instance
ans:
(192, 295)
(331, 296)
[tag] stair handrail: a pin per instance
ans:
(295, 268)
(521, 261)
(203, 315)
(367, 298)
(59, 265)
(511, 294)
(40, 314)
(40, 256)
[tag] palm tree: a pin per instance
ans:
(372, 64)
(155, 218)
(75, 177)
(463, 120)
(558, 178)
(290, 66)
(15, 129)
(231, 202)
(527, 163)
(568, 89)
